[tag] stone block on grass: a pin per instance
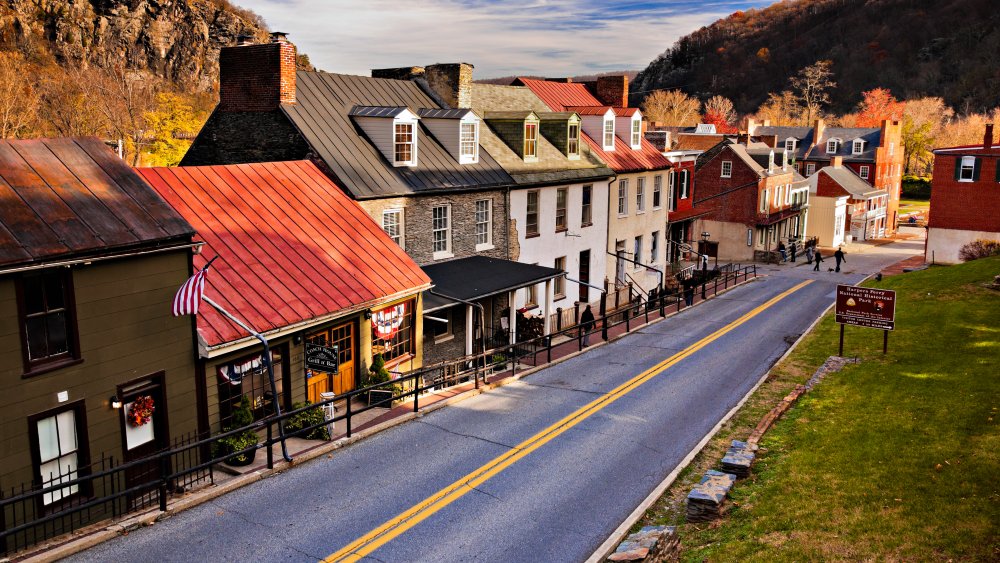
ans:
(705, 501)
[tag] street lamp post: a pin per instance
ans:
(704, 262)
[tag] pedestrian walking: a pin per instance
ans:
(587, 324)
(794, 250)
(810, 252)
(839, 257)
(688, 294)
(818, 258)
(783, 252)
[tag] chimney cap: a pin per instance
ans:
(278, 36)
(244, 39)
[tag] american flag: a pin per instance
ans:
(188, 297)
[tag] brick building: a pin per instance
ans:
(965, 198)
(874, 154)
(841, 203)
(748, 206)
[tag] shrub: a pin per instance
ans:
(915, 187)
(981, 248)
(242, 417)
(377, 372)
(305, 419)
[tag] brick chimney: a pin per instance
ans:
(837, 162)
(819, 127)
(612, 90)
(257, 77)
(452, 82)
(988, 137)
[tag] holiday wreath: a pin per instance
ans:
(141, 410)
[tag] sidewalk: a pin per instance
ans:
(227, 479)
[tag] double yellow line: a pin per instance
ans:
(378, 537)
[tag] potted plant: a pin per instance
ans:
(242, 418)
(378, 374)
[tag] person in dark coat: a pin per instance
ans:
(587, 324)
(688, 294)
(839, 257)
(817, 258)
(794, 248)
(782, 251)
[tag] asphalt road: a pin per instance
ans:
(555, 498)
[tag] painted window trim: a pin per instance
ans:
(447, 252)
(488, 244)
(531, 141)
(56, 361)
(399, 225)
(609, 134)
(636, 134)
(413, 142)
(727, 171)
(464, 158)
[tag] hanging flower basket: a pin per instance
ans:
(140, 411)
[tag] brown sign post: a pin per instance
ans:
(867, 307)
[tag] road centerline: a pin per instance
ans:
(399, 524)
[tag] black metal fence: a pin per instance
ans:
(105, 491)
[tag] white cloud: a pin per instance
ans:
(540, 37)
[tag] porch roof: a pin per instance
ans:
(478, 277)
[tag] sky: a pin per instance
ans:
(500, 38)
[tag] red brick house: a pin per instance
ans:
(749, 206)
(965, 198)
(844, 204)
(874, 154)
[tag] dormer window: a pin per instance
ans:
(832, 146)
(404, 145)
(530, 141)
(468, 143)
(636, 133)
(573, 141)
(609, 134)
(857, 147)
(790, 144)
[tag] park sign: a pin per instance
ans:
(866, 306)
(322, 358)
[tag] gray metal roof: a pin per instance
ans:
(871, 136)
(376, 111)
(438, 113)
(322, 115)
(501, 115)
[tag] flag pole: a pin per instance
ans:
(267, 362)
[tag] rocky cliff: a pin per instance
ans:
(178, 40)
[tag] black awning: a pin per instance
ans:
(477, 277)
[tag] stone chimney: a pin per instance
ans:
(452, 82)
(257, 77)
(837, 162)
(612, 90)
(988, 137)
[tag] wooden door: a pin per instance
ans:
(341, 336)
(145, 438)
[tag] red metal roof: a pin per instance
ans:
(291, 245)
(562, 96)
(590, 110)
(62, 198)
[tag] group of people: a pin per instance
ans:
(813, 255)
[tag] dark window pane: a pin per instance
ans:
(54, 293)
(37, 348)
(58, 341)
(34, 300)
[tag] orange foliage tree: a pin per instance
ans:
(878, 105)
(715, 117)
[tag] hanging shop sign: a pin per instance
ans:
(386, 322)
(322, 358)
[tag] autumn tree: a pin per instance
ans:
(66, 106)
(780, 110)
(878, 105)
(924, 119)
(812, 85)
(126, 99)
(721, 108)
(672, 107)
(714, 117)
(18, 97)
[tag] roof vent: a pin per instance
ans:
(705, 129)
(279, 37)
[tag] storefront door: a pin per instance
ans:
(343, 337)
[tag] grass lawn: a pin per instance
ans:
(896, 458)
(913, 205)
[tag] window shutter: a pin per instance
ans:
(958, 168)
(997, 162)
(975, 169)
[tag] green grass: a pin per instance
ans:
(911, 205)
(896, 458)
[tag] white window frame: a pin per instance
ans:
(399, 236)
(763, 200)
(559, 282)
(727, 169)
(810, 168)
(484, 224)
(563, 206)
(832, 146)
(397, 144)
(685, 177)
(671, 181)
(529, 230)
(864, 172)
(640, 195)
(58, 462)
(637, 252)
(790, 144)
(586, 207)
(623, 197)
(968, 163)
(858, 146)
(654, 246)
(531, 141)
(445, 229)
(468, 149)
(609, 134)
(749, 237)
(636, 133)
(573, 142)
